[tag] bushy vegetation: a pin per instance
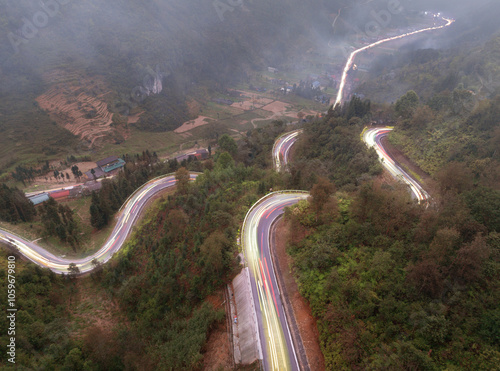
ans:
(395, 286)
(58, 221)
(14, 206)
(42, 333)
(332, 147)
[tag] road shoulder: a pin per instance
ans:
(297, 308)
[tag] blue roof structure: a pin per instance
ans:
(38, 199)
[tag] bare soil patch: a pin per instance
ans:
(277, 107)
(189, 125)
(41, 183)
(134, 119)
(218, 352)
(302, 311)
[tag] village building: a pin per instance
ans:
(105, 167)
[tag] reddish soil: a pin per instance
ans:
(134, 119)
(302, 311)
(218, 353)
(79, 104)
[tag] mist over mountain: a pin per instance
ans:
(121, 52)
(199, 39)
(124, 55)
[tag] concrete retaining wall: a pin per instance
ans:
(245, 336)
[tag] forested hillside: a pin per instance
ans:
(395, 285)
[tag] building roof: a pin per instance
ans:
(98, 173)
(93, 186)
(120, 163)
(107, 161)
(38, 199)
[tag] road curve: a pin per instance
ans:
(350, 60)
(372, 138)
(281, 148)
(278, 350)
(127, 218)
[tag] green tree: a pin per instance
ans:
(215, 253)
(407, 104)
(182, 177)
(228, 144)
(225, 160)
(320, 194)
(98, 217)
(73, 270)
(74, 360)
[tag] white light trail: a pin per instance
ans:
(350, 60)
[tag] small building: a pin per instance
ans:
(201, 154)
(39, 198)
(98, 173)
(111, 163)
(61, 194)
(316, 84)
(272, 69)
(105, 166)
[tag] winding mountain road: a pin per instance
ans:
(275, 337)
(277, 346)
(372, 138)
(281, 148)
(127, 217)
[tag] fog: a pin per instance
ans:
(184, 43)
(194, 36)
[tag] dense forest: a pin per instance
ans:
(14, 206)
(395, 285)
(331, 147)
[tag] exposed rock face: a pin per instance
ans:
(153, 83)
